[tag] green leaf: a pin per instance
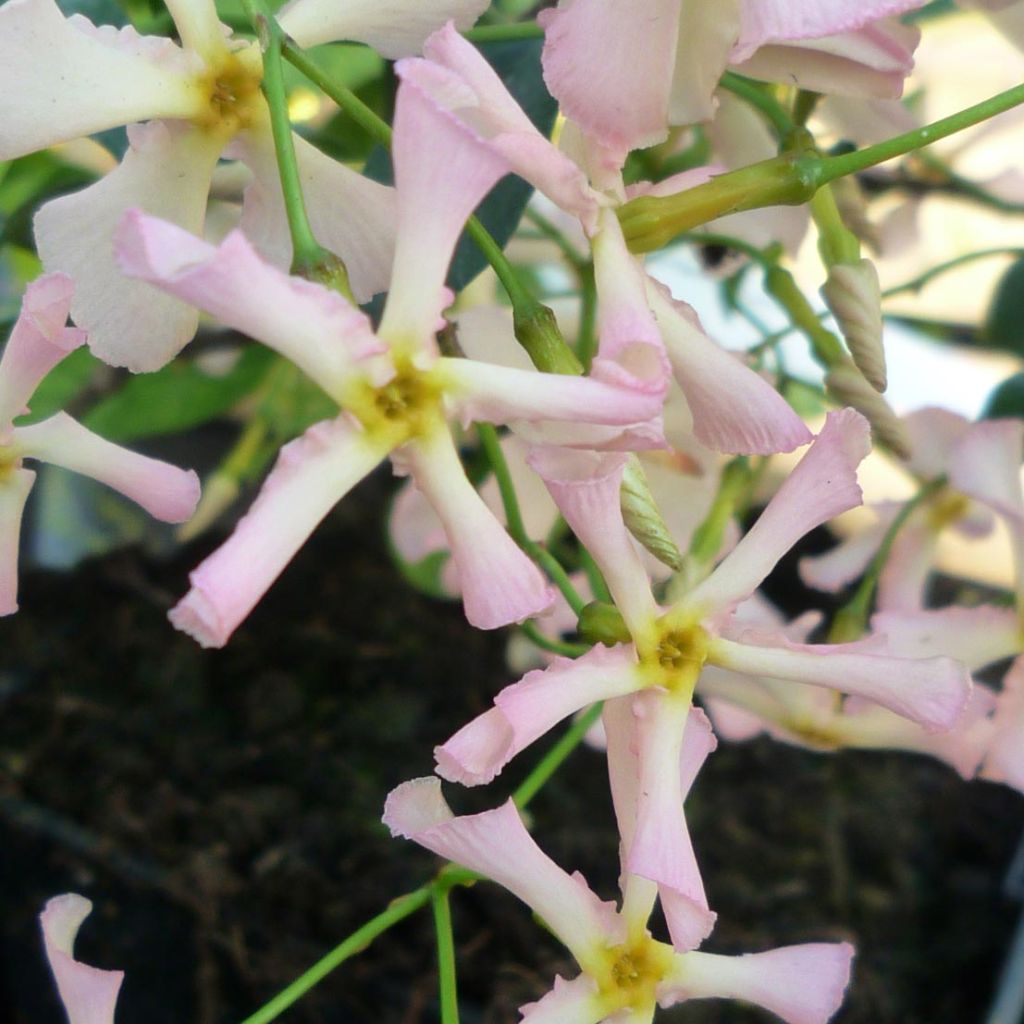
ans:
(179, 396)
(99, 12)
(17, 267)
(1006, 400)
(1004, 325)
(67, 379)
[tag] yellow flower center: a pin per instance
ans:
(674, 653)
(407, 406)
(231, 91)
(947, 508)
(628, 975)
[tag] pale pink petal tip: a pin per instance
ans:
(47, 303)
(415, 806)
(478, 751)
(196, 615)
(89, 995)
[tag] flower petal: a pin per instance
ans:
(609, 64)
(976, 636)
(459, 79)
(985, 465)
(707, 34)
(568, 1002)
(501, 394)
(442, 171)
(497, 845)
(314, 327)
(1004, 759)
(500, 585)
(841, 565)
(89, 995)
(801, 984)
(13, 495)
(61, 78)
(526, 710)
(823, 484)
(931, 691)
(166, 171)
(38, 342)
(312, 474)
(394, 28)
(734, 410)
(164, 491)
(586, 487)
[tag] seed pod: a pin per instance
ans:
(643, 518)
(854, 295)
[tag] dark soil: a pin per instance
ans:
(222, 810)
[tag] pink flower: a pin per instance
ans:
(65, 78)
(396, 391)
(38, 342)
(625, 973)
(89, 995)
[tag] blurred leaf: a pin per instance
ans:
(99, 12)
(29, 181)
(425, 575)
(1004, 325)
(67, 379)
(1006, 400)
(293, 402)
(17, 267)
(179, 396)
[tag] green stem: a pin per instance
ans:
(514, 518)
(757, 95)
(536, 637)
(851, 620)
(536, 328)
(398, 910)
(915, 284)
(446, 972)
(861, 159)
(307, 252)
(504, 33)
(552, 760)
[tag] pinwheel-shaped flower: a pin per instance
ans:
(394, 388)
(62, 78)
(625, 972)
(658, 672)
(38, 342)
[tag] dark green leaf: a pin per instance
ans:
(179, 396)
(1006, 400)
(1004, 325)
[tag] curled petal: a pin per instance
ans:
(497, 845)
(164, 491)
(13, 495)
(823, 484)
(734, 410)
(38, 342)
(60, 79)
(930, 691)
(312, 474)
(89, 995)
(526, 710)
(869, 62)
(442, 171)
(312, 326)
(458, 78)
(801, 984)
(707, 33)
(776, 21)
(499, 583)
(394, 28)
(166, 172)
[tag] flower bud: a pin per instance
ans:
(643, 518)
(602, 623)
(853, 294)
(846, 384)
